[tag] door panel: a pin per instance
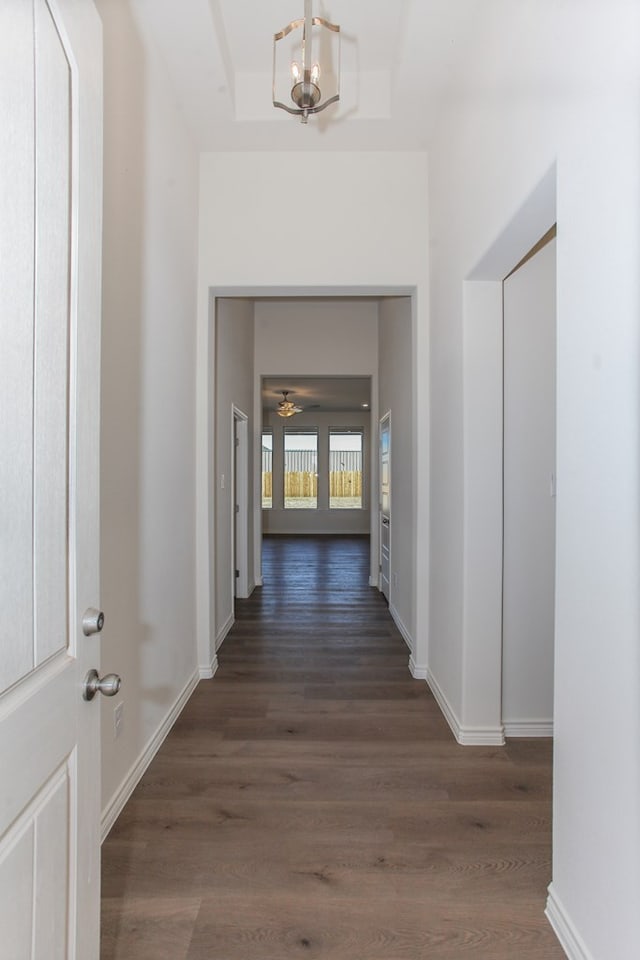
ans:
(51, 336)
(17, 220)
(50, 230)
(35, 849)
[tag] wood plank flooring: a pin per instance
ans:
(312, 802)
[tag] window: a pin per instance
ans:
(345, 469)
(300, 469)
(267, 469)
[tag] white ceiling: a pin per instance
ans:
(398, 58)
(318, 394)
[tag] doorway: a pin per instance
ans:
(256, 332)
(477, 718)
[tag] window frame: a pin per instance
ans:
(343, 431)
(266, 431)
(291, 431)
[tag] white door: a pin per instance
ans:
(529, 492)
(50, 227)
(385, 504)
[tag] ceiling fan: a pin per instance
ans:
(286, 408)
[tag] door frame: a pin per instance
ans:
(206, 511)
(529, 727)
(240, 506)
(479, 718)
(384, 421)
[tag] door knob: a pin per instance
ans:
(108, 686)
(92, 621)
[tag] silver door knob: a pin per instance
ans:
(108, 686)
(92, 621)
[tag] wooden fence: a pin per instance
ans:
(345, 483)
(300, 483)
(304, 483)
(301, 478)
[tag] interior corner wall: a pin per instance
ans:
(395, 395)
(148, 401)
(553, 87)
(234, 378)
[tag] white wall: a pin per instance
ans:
(396, 395)
(316, 337)
(529, 467)
(276, 519)
(148, 355)
(367, 216)
(234, 378)
(549, 84)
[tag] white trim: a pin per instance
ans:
(374, 582)
(443, 703)
(240, 500)
(384, 422)
(466, 736)
(115, 806)
(209, 671)
(481, 736)
(570, 940)
(406, 636)
(417, 671)
(310, 531)
(258, 581)
(224, 630)
(528, 728)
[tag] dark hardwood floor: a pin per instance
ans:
(312, 802)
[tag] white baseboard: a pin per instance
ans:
(570, 940)
(115, 806)
(249, 590)
(206, 673)
(417, 672)
(466, 736)
(224, 630)
(482, 736)
(406, 636)
(443, 703)
(528, 728)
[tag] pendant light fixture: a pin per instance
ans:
(297, 71)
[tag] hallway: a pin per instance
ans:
(311, 800)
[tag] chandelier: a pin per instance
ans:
(286, 408)
(297, 71)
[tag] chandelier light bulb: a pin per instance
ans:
(315, 73)
(296, 72)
